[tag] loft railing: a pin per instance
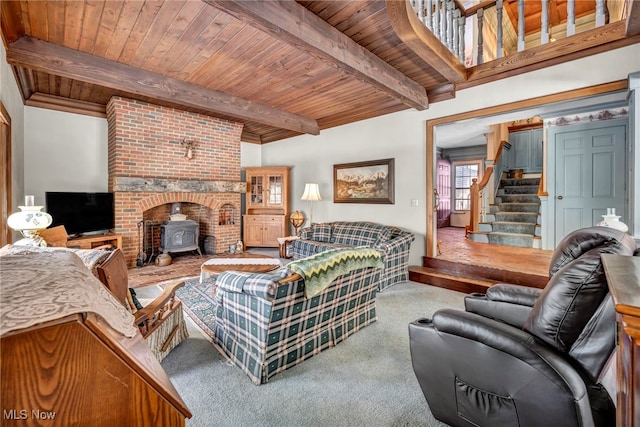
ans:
(454, 26)
(478, 189)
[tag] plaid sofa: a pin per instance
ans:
(393, 243)
(265, 324)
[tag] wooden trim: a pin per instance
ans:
(7, 201)
(58, 103)
(600, 89)
(542, 192)
(431, 249)
(474, 9)
(294, 24)
(588, 43)
(59, 60)
(431, 230)
(423, 42)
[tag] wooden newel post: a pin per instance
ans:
(474, 219)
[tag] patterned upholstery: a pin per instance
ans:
(321, 232)
(266, 325)
(393, 243)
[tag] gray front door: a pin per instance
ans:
(590, 175)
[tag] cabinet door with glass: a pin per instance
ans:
(268, 189)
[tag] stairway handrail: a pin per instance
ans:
(477, 187)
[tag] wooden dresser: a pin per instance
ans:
(623, 277)
(76, 369)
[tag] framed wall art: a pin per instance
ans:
(364, 182)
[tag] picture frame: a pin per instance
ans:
(364, 182)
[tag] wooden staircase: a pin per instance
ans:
(468, 278)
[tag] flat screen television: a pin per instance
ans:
(81, 213)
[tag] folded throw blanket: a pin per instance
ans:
(319, 270)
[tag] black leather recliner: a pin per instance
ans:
(520, 356)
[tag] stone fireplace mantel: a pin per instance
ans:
(144, 185)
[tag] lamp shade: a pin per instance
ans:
(29, 218)
(311, 192)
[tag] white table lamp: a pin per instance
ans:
(29, 221)
(311, 193)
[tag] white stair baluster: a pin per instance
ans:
(520, 25)
(499, 50)
(450, 25)
(443, 22)
(480, 15)
(429, 17)
(462, 21)
(544, 30)
(456, 33)
(436, 18)
(571, 17)
(600, 14)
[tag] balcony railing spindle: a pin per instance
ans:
(520, 25)
(499, 49)
(600, 14)
(450, 6)
(429, 17)
(461, 29)
(571, 17)
(456, 33)
(436, 18)
(480, 16)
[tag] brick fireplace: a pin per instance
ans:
(149, 169)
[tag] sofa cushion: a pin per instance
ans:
(360, 233)
(321, 232)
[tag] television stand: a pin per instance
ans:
(90, 242)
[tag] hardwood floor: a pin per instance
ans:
(468, 266)
(455, 247)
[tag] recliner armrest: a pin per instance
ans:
(504, 302)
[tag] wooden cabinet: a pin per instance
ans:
(623, 278)
(263, 230)
(267, 203)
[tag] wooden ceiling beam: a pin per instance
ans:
(421, 40)
(47, 57)
(292, 23)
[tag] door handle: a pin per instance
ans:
(560, 197)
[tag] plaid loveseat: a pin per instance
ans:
(393, 243)
(265, 324)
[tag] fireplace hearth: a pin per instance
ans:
(179, 236)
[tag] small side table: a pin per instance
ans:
(282, 245)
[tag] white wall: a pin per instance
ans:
(250, 154)
(12, 100)
(402, 136)
(64, 152)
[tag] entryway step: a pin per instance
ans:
(431, 276)
(469, 278)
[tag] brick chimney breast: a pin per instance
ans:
(149, 168)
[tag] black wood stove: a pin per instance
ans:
(179, 236)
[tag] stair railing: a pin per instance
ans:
(478, 192)
(447, 20)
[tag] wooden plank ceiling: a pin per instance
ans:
(281, 68)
